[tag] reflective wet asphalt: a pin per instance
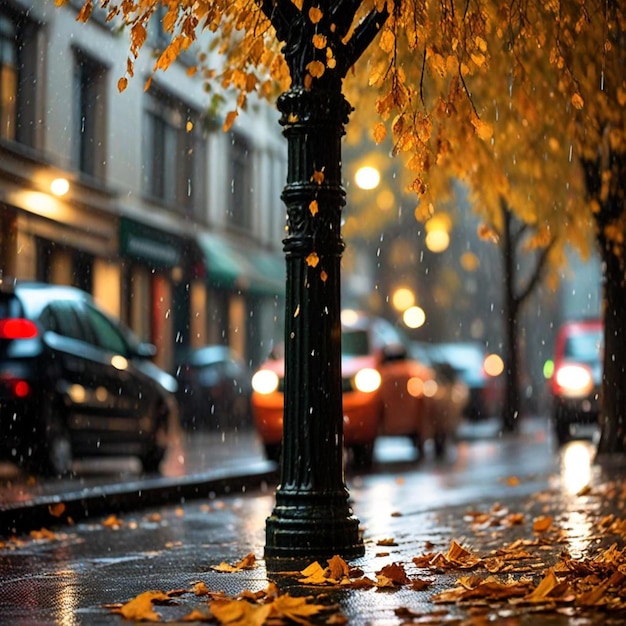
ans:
(70, 574)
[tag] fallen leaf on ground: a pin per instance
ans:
(140, 608)
(248, 562)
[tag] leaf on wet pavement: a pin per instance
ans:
(393, 575)
(248, 562)
(140, 608)
(113, 522)
(542, 523)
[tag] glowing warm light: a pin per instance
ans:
(576, 465)
(437, 240)
(349, 317)
(402, 298)
(469, 261)
(367, 177)
(414, 317)
(59, 186)
(77, 393)
(430, 388)
(265, 382)
(494, 365)
(415, 386)
(119, 362)
(367, 380)
(385, 200)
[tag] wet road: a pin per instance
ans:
(68, 577)
(480, 454)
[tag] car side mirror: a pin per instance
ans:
(145, 350)
(394, 352)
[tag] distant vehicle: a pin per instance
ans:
(384, 393)
(214, 389)
(466, 359)
(76, 383)
(577, 376)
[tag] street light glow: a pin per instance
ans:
(367, 177)
(402, 298)
(414, 317)
(59, 186)
(437, 240)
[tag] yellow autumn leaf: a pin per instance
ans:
(315, 14)
(312, 260)
(122, 83)
(84, 13)
(298, 4)
(56, 510)
(379, 132)
(387, 41)
(140, 608)
(248, 562)
(317, 177)
(231, 116)
(316, 69)
(313, 208)
(483, 129)
(577, 101)
(240, 612)
(323, 276)
(296, 609)
(319, 41)
(542, 523)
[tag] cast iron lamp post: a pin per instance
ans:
(312, 518)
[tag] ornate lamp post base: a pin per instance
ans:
(319, 528)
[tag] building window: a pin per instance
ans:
(174, 154)
(17, 78)
(240, 198)
(89, 115)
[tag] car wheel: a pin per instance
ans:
(363, 455)
(561, 426)
(272, 452)
(153, 456)
(561, 431)
(440, 441)
(53, 456)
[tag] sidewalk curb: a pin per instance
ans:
(54, 510)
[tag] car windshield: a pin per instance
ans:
(584, 347)
(355, 343)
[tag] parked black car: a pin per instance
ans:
(214, 389)
(75, 383)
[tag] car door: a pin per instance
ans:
(94, 388)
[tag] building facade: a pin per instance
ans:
(137, 197)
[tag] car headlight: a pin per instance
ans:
(367, 380)
(574, 381)
(265, 382)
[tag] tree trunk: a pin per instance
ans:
(511, 405)
(613, 393)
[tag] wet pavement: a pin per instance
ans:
(490, 492)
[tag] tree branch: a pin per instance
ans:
(542, 263)
(282, 14)
(342, 14)
(364, 35)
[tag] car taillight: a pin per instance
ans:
(16, 387)
(17, 328)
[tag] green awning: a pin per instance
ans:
(235, 265)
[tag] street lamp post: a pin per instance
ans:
(312, 518)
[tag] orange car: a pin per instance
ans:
(384, 392)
